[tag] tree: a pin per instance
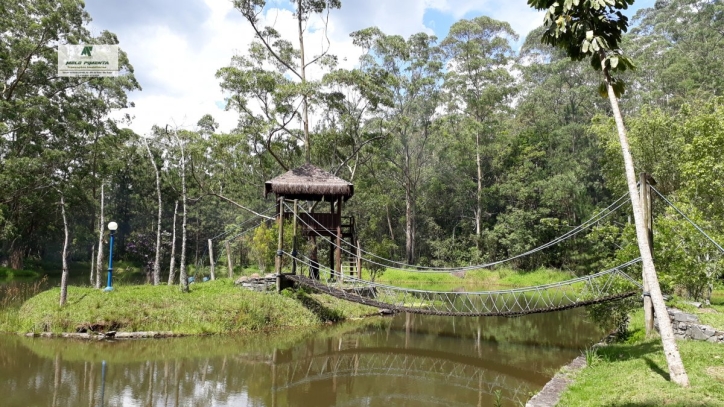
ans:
(414, 67)
(682, 59)
(479, 86)
(48, 122)
(279, 91)
(592, 29)
(156, 277)
(183, 275)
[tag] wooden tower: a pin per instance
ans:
(309, 183)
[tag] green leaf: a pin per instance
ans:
(584, 46)
(603, 90)
(589, 35)
(614, 62)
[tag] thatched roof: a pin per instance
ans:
(309, 183)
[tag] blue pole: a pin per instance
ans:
(103, 384)
(109, 285)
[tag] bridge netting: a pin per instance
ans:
(608, 285)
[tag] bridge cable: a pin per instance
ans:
(423, 269)
(718, 246)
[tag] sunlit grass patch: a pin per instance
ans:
(209, 308)
(635, 373)
(471, 280)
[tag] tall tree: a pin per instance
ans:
(682, 59)
(414, 67)
(592, 29)
(479, 85)
(45, 116)
(156, 276)
(282, 90)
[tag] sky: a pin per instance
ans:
(176, 46)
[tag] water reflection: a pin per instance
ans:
(402, 361)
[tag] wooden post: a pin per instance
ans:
(229, 264)
(211, 260)
(294, 247)
(280, 244)
(338, 249)
(645, 197)
(359, 259)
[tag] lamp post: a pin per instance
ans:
(112, 226)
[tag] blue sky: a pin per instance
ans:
(176, 46)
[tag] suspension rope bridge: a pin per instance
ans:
(394, 265)
(460, 372)
(609, 285)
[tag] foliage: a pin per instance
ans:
(461, 149)
(590, 29)
(689, 260)
(263, 246)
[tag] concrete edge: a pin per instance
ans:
(550, 394)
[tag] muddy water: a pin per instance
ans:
(406, 360)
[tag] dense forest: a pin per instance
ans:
(461, 149)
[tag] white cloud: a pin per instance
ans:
(176, 66)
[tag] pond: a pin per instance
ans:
(405, 360)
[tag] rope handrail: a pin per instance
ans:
(423, 269)
(517, 290)
(582, 291)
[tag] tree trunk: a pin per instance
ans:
(93, 268)
(229, 265)
(389, 223)
(101, 221)
(303, 72)
(182, 269)
(156, 277)
(644, 192)
(172, 266)
(671, 351)
(409, 227)
(211, 260)
(17, 257)
(64, 256)
(479, 195)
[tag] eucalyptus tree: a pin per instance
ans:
(273, 77)
(44, 116)
(682, 43)
(480, 87)
(350, 124)
(414, 69)
(156, 275)
(592, 29)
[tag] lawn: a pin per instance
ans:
(209, 308)
(635, 374)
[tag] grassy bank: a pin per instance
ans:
(472, 279)
(10, 274)
(210, 308)
(635, 373)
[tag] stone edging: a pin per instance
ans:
(551, 392)
(686, 326)
(105, 336)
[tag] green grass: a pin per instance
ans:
(712, 315)
(475, 278)
(210, 308)
(635, 374)
(10, 274)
